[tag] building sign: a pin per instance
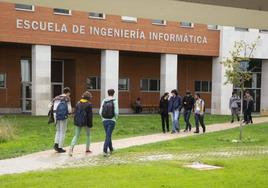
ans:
(111, 32)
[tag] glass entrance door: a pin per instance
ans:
(26, 85)
(57, 77)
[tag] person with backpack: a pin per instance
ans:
(163, 110)
(188, 105)
(82, 118)
(199, 113)
(174, 107)
(61, 106)
(109, 113)
(234, 105)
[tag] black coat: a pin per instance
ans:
(86, 107)
(188, 102)
(163, 106)
(248, 106)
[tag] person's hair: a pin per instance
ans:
(247, 92)
(66, 90)
(233, 92)
(188, 92)
(87, 95)
(197, 94)
(138, 98)
(110, 92)
(165, 94)
(175, 92)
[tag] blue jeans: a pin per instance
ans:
(175, 120)
(108, 127)
(187, 115)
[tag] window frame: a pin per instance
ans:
(209, 85)
(129, 19)
(184, 26)
(209, 26)
(97, 17)
(59, 13)
(241, 29)
(5, 80)
(23, 9)
(98, 82)
(148, 82)
(128, 84)
(154, 22)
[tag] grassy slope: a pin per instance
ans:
(34, 134)
(246, 172)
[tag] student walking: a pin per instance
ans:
(109, 113)
(188, 105)
(174, 108)
(61, 106)
(234, 105)
(82, 118)
(163, 109)
(248, 105)
(199, 113)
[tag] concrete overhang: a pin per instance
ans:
(242, 13)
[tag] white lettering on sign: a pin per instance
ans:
(110, 32)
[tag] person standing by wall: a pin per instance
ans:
(138, 106)
(188, 105)
(163, 109)
(109, 113)
(234, 105)
(82, 118)
(199, 113)
(174, 108)
(61, 107)
(248, 106)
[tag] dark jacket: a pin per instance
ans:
(163, 106)
(174, 103)
(248, 104)
(86, 107)
(188, 102)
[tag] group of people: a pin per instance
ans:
(174, 104)
(83, 118)
(235, 107)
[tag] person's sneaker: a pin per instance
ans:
(56, 147)
(105, 154)
(70, 152)
(185, 130)
(232, 121)
(204, 130)
(88, 151)
(173, 132)
(60, 150)
(196, 132)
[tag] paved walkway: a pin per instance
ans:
(51, 160)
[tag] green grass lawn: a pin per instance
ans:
(247, 171)
(34, 134)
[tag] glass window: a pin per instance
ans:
(241, 29)
(144, 85)
(26, 75)
(24, 7)
(210, 86)
(123, 84)
(93, 83)
(129, 19)
(159, 22)
(258, 80)
(153, 85)
(62, 11)
(205, 86)
(96, 15)
(213, 27)
(197, 86)
(2, 80)
(263, 30)
(187, 24)
(150, 85)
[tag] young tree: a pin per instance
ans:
(237, 68)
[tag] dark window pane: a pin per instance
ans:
(205, 86)
(91, 83)
(153, 85)
(258, 80)
(2, 80)
(123, 84)
(144, 85)
(23, 7)
(61, 11)
(56, 71)
(197, 85)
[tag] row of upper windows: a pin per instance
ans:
(97, 15)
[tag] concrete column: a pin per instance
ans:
(264, 88)
(221, 93)
(109, 72)
(168, 72)
(41, 79)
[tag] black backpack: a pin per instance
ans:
(108, 109)
(80, 116)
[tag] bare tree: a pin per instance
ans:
(237, 69)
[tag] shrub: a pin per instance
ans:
(7, 131)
